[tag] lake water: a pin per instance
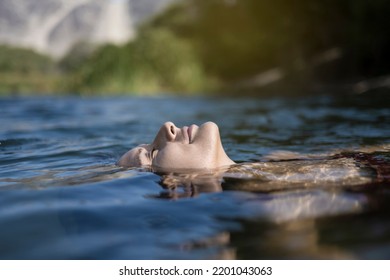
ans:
(63, 197)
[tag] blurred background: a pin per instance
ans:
(152, 47)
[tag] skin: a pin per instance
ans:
(180, 148)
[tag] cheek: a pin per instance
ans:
(181, 156)
(168, 156)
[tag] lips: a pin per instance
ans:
(192, 132)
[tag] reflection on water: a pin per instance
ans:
(290, 240)
(63, 197)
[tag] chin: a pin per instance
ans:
(212, 125)
(211, 131)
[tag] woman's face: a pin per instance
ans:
(180, 148)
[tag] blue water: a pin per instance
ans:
(63, 197)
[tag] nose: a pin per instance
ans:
(167, 133)
(170, 130)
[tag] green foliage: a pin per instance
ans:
(18, 60)
(23, 70)
(240, 38)
(156, 61)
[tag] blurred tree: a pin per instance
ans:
(23, 70)
(24, 61)
(237, 39)
(157, 61)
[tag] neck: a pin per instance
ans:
(223, 159)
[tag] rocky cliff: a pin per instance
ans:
(54, 26)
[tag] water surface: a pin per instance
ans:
(63, 197)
